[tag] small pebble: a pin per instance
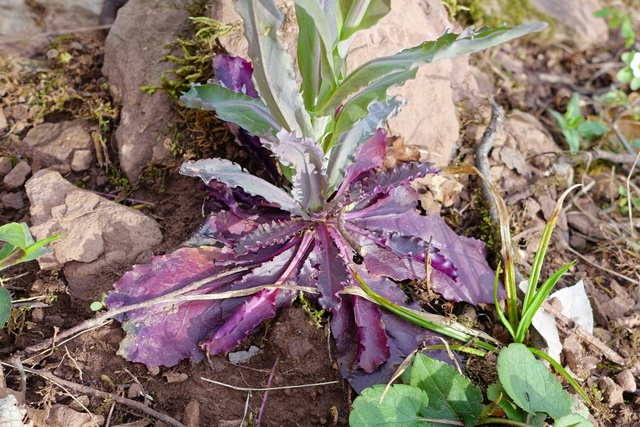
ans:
(626, 381)
(5, 166)
(37, 315)
(191, 417)
(134, 391)
(17, 177)
(13, 201)
(52, 53)
(611, 391)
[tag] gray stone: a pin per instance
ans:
(18, 175)
(56, 144)
(81, 160)
(21, 20)
(5, 166)
(98, 233)
(134, 53)
(626, 380)
(13, 201)
(611, 391)
(531, 138)
(577, 26)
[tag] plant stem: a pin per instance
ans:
(495, 420)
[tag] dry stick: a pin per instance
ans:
(287, 387)
(103, 395)
(630, 197)
(608, 270)
(583, 334)
(264, 397)
(98, 321)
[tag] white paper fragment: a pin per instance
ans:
(238, 357)
(10, 414)
(575, 306)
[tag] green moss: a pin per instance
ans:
(315, 313)
(489, 232)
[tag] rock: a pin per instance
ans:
(18, 175)
(191, 417)
(611, 391)
(13, 201)
(5, 166)
(58, 144)
(134, 51)
(242, 357)
(580, 362)
(97, 232)
(626, 380)
(530, 137)
(134, 391)
(577, 26)
(62, 415)
(3, 121)
(21, 19)
(81, 160)
(428, 121)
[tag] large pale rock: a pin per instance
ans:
(97, 232)
(134, 53)
(22, 22)
(60, 144)
(577, 26)
(428, 121)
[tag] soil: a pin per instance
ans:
(293, 349)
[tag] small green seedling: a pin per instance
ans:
(618, 19)
(18, 247)
(98, 305)
(575, 127)
(624, 202)
(435, 393)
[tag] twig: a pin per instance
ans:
(104, 395)
(621, 137)
(583, 334)
(482, 154)
(266, 392)
(108, 422)
(630, 197)
(128, 199)
(246, 409)
(232, 387)
(23, 378)
(608, 270)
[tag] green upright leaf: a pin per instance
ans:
(16, 234)
(247, 112)
(573, 116)
(513, 411)
(447, 46)
(573, 420)
(625, 75)
(451, 395)
(530, 383)
(315, 46)
(400, 407)
(5, 306)
(272, 69)
(360, 14)
(573, 139)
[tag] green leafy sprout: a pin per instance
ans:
(575, 126)
(18, 247)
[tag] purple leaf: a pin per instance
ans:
(270, 233)
(373, 350)
(234, 73)
(370, 155)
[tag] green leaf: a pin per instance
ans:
(626, 31)
(573, 116)
(401, 407)
(447, 46)
(635, 83)
(625, 75)
(5, 306)
(315, 47)
(573, 139)
(451, 395)
(559, 118)
(530, 384)
(96, 306)
(603, 13)
(272, 69)
(16, 234)
(249, 113)
(573, 420)
(342, 153)
(513, 411)
(592, 128)
(626, 57)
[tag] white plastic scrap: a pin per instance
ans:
(575, 306)
(11, 414)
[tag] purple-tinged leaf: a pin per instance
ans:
(258, 308)
(235, 176)
(234, 73)
(269, 234)
(373, 350)
(306, 158)
(385, 180)
(369, 155)
(333, 274)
